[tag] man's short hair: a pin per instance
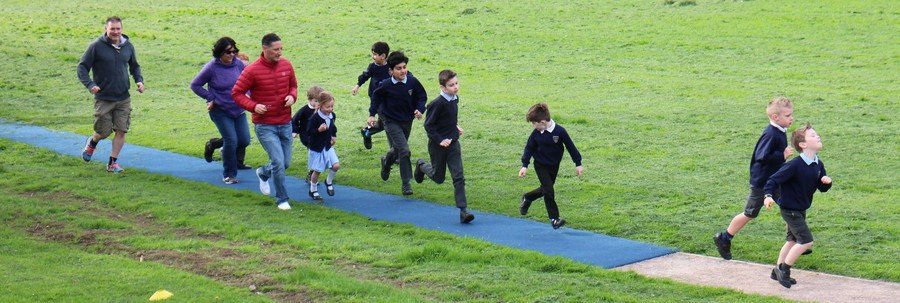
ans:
(113, 19)
(538, 112)
(381, 48)
(270, 38)
(395, 58)
(777, 105)
(799, 136)
(445, 76)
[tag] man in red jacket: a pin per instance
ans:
(273, 86)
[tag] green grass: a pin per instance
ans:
(665, 101)
(181, 235)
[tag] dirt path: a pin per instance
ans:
(754, 278)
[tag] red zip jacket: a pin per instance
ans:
(269, 83)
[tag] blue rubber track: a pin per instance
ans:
(582, 246)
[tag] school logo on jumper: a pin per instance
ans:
(555, 139)
(410, 92)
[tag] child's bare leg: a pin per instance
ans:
(738, 223)
(795, 253)
(784, 251)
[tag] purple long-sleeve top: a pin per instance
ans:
(219, 78)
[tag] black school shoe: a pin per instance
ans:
(315, 196)
(557, 223)
(367, 138)
(774, 277)
(465, 217)
(385, 169)
(419, 174)
(723, 246)
(407, 190)
(329, 188)
(523, 207)
(208, 151)
(783, 275)
(808, 251)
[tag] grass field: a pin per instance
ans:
(664, 101)
(68, 226)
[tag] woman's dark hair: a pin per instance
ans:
(222, 44)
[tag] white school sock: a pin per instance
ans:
(330, 178)
(313, 187)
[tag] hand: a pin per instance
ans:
(445, 143)
(295, 135)
(323, 127)
(333, 141)
(826, 180)
(371, 121)
(141, 87)
(260, 109)
(460, 130)
(288, 100)
(579, 170)
(95, 89)
(768, 202)
(355, 90)
(788, 151)
(522, 172)
(418, 114)
(209, 105)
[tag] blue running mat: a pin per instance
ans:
(578, 245)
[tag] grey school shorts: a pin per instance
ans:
(755, 201)
(111, 115)
(797, 230)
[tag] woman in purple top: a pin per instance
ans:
(219, 76)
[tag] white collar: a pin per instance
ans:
(551, 127)
(449, 97)
(809, 161)
(782, 129)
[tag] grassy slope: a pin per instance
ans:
(664, 102)
(311, 253)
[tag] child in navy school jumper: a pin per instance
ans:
(398, 100)
(322, 132)
(769, 154)
(378, 71)
(442, 127)
(546, 144)
(301, 118)
(798, 179)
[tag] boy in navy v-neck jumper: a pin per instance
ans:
(546, 144)
(377, 71)
(798, 179)
(398, 100)
(769, 154)
(301, 118)
(442, 127)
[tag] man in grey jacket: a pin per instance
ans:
(110, 59)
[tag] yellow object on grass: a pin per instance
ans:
(160, 295)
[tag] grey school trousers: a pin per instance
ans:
(443, 158)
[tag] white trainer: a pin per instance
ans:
(284, 206)
(263, 183)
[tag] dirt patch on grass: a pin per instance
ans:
(220, 264)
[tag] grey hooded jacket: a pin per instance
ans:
(110, 66)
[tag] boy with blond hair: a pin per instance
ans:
(798, 180)
(301, 118)
(769, 154)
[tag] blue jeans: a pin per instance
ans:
(235, 136)
(276, 140)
